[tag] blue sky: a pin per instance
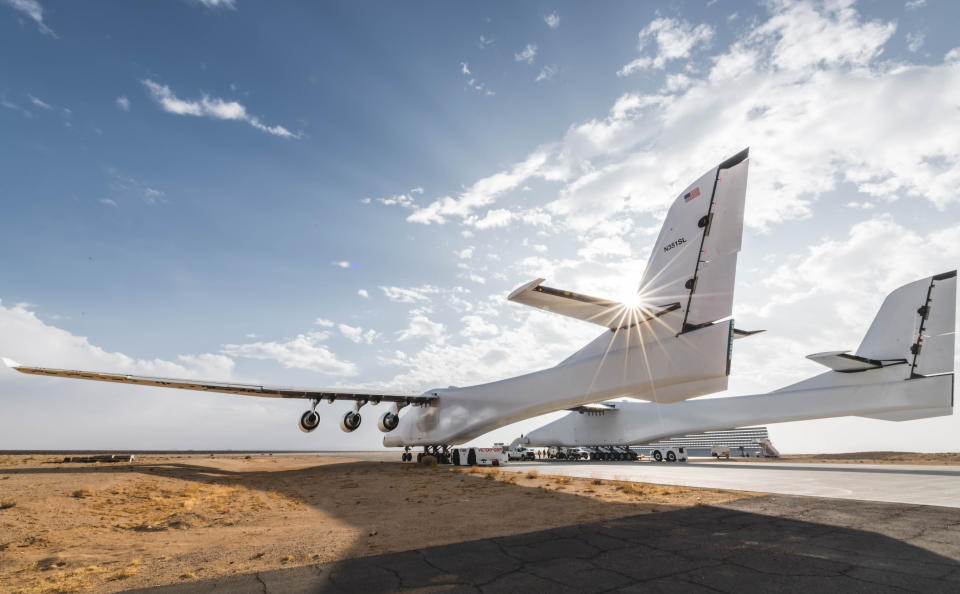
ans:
(183, 183)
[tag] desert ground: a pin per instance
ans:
(168, 519)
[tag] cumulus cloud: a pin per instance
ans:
(34, 10)
(305, 351)
(357, 334)
(674, 40)
(363, 293)
(225, 4)
(527, 54)
(546, 73)
(552, 20)
(123, 103)
(420, 326)
(212, 107)
(27, 339)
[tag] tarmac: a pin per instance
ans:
(921, 485)
(771, 543)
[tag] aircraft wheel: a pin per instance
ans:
(657, 456)
(456, 457)
(671, 457)
(419, 457)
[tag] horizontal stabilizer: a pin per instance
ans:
(843, 361)
(738, 333)
(595, 408)
(603, 312)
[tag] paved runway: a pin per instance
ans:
(772, 543)
(923, 485)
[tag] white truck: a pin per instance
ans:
(720, 451)
(669, 454)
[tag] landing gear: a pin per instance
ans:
(657, 456)
(406, 456)
(671, 457)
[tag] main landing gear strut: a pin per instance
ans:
(440, 452)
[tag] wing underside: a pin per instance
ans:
(330, 394)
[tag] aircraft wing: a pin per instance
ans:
(330, 394)
(604, 312)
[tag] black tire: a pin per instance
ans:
(657, 456)
(671, 457)
(419, 457)
(472, 457)
(456, 457)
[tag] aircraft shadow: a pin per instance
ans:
(774, 542)
(725, 548)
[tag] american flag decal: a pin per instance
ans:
(691, 194)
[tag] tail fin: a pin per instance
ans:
(917, 323)
(694, 261)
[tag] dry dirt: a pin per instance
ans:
(167, 518)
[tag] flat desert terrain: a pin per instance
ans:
(168, 519)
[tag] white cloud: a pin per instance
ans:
(478, 326)
(499, 217)
(123, 103)
(465, 253)
(546, 73)
(363, 293)
(108, 202)
(914, 4)
(228, 4)
(527, 54)
(38, 102)
(25, 338)
(421, 326)
(357, 334)
(473, 83)
(792, 77)
(952, 56)
(674, 39)
(212, 107)
(323, 322)
(409, 295)
(552, 20)
(34, 10)
(484, 42)
(305, 351)
(481, 193)
(915, 41)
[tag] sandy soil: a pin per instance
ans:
(938, 459)
(167, 519)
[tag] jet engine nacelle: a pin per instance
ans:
(388, 422)
(309, 421)
(350, 421)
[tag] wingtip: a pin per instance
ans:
(10, 363)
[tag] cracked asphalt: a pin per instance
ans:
(773, 543)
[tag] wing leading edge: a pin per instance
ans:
(330, 394)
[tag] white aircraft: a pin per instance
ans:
(902, 370)
(668, 346)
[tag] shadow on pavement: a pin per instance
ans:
(772, 543)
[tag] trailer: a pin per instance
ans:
(478, 456)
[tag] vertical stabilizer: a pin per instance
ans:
(917, 323)
(694, 261)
